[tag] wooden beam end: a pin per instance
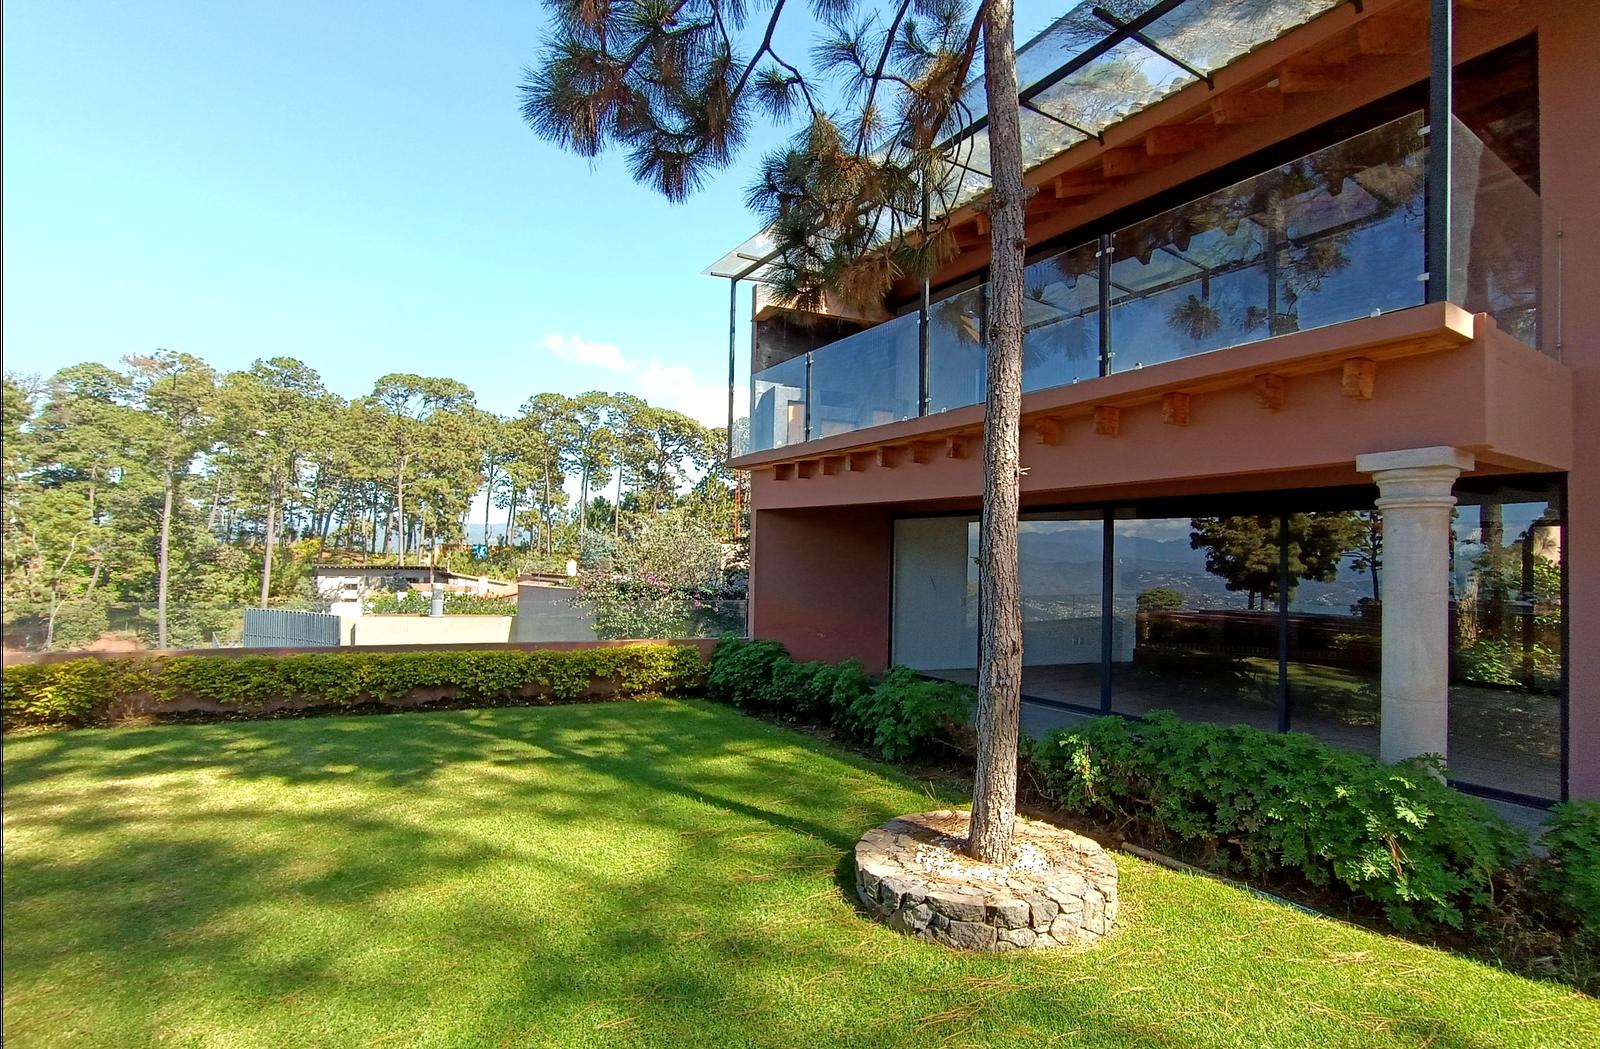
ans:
(1271, 389)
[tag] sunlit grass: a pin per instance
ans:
(662, 873)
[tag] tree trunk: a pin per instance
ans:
(994, 798)
(214, 514)
(266, 558)
(544, 509)
(583, 503)
(400, 509)
(488, 500)
(163, 558)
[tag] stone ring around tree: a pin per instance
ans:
(913, 874)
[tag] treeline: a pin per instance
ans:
(167, 482)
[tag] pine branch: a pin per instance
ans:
(877, 75)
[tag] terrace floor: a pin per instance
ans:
(655, 873)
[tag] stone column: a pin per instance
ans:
(1415, 498)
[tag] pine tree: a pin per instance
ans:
(847, 205)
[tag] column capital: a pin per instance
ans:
(1416, 477)
(1441, 458)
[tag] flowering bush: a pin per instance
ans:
(665, 581)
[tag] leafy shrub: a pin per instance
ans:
(850, 683)
(741, 672)
(1284, 804)
(1569, 878)
(87, 691)
(417, 603)
(1497, 661)
(802, 690)
(906, 715)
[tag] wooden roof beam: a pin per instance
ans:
(1173, 139)
(1075, 185)
(1241, 107)
(1128, 160)
(1393, 33)
(1304, 78)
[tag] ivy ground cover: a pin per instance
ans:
(656, 873)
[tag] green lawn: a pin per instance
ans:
(660, 873)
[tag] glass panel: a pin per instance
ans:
(1127, 78)
(1335, 626)
(1495, 240)
(1195, 622)
(868, 379)
(935, 617)
(1275, 253)
(957, 367)
(1208, 34)
(1061, 319)
(1505, 645)
(778, 405)
(1060, 559)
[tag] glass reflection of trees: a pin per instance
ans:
(1266, 257)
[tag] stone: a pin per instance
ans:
(1008, 914)
(963, 907)
(1094, 913)
(972, 935)
(1016, 937)
(898, 890)
(913, 874)
(1042, 910)
(911, 919)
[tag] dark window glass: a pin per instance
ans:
(1060, 560)
(1195, 619)
(1505, 644)
(1335, 626)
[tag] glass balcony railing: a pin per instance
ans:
(1334, 236)
(1495, 237)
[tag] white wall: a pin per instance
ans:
(934, 627)
(429, 630)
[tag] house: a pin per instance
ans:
(1311, 413)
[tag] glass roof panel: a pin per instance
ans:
(1209, 34)
(1094, 90)
(737, 262)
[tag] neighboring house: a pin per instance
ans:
(1233, 336)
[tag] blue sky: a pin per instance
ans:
(350, 184)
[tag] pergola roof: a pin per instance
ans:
(1099, 64)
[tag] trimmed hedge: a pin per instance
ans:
(85, 691)
(900, 716)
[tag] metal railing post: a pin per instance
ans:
(1441, 104)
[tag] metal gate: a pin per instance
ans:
(279, 628)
